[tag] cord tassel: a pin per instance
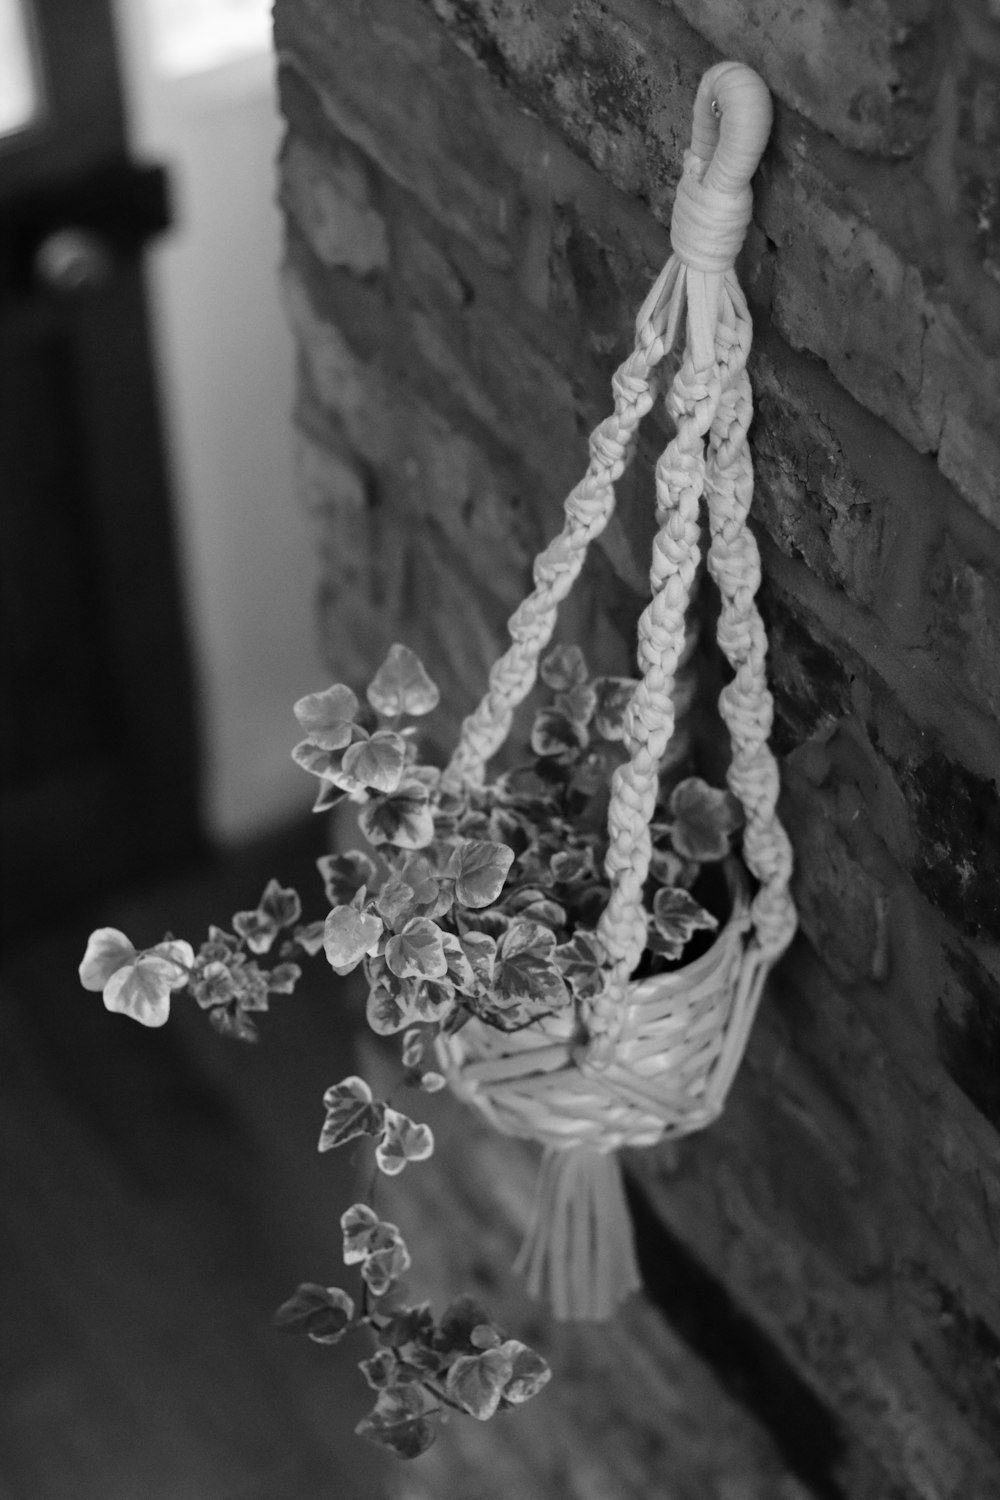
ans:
(579, 1253)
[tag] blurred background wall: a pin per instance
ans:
(198, 80)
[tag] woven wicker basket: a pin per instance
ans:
(655, 1057)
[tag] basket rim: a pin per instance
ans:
(736, 924)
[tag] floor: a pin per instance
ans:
(160, 1195)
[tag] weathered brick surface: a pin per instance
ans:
(477, 194)
(875, 269)
(867, 74)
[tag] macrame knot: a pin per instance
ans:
(709, 225)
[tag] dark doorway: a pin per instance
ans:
(98, 749)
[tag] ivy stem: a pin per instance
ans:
(436, 1391)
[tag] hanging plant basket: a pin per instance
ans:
(577, 947)
(651, 1058)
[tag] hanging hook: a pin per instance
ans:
(731, 124)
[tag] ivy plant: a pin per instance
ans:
(473, 902)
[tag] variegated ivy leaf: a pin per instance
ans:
(402, 818)
(477, 1381)
(310, 937)
(391, 1004)
(377, 1245)
(591, 773)
(380, 1371)
(414, 1043)
(529, 1373)
(666, 865)
(377, 762)
(348, 934)
(563, 668)
(570, 865)
(418, 873)
(234, 1023)
(526, 972)
(399, 1420)
(434, 999)
(460, 972)
(676, 915)
(142, 989)
(385, 1266)
(137, 984)
(537, 906)
(401, 686)
(350, 1112)
(431, 1082)
(329, 795)
(553, 734)
(278, 907)
(323, 1313)
(402, 1141)
(345, 874)
(505, 825)
(394, 1003)
(358, 1224)
(283, 978)
(491, 923)
(108, 950)
(214, 985)
(218, 946)
(418, 951)
(480, 868)
(328, 718)
(580, 963)
(480, 949)
(459, 1321)
(578, 703)
(614, 694)
(395, 902)
(328, 765)
(281, 905)
(703, 819)
(409, 1330)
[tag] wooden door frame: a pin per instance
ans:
(137, 810)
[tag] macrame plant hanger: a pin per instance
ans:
(654, 1058)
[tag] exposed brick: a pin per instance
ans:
(842, 907)
(968, 1023)
(956, 818)
(809, 497)
(949, 837)
(809, 678)
(977, 153)
(866, 275)
(399, 91)
(964, 625)
(825, 1202)
(864, 73)
(330, 199)
(614, 80)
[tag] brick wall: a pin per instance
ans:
(477, 195)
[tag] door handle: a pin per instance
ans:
(70, 236)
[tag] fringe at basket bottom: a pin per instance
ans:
(579, 1252)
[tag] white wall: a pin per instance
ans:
(226, 370)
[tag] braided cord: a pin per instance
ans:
(649, 721)
(745, 703)
(588, 509)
